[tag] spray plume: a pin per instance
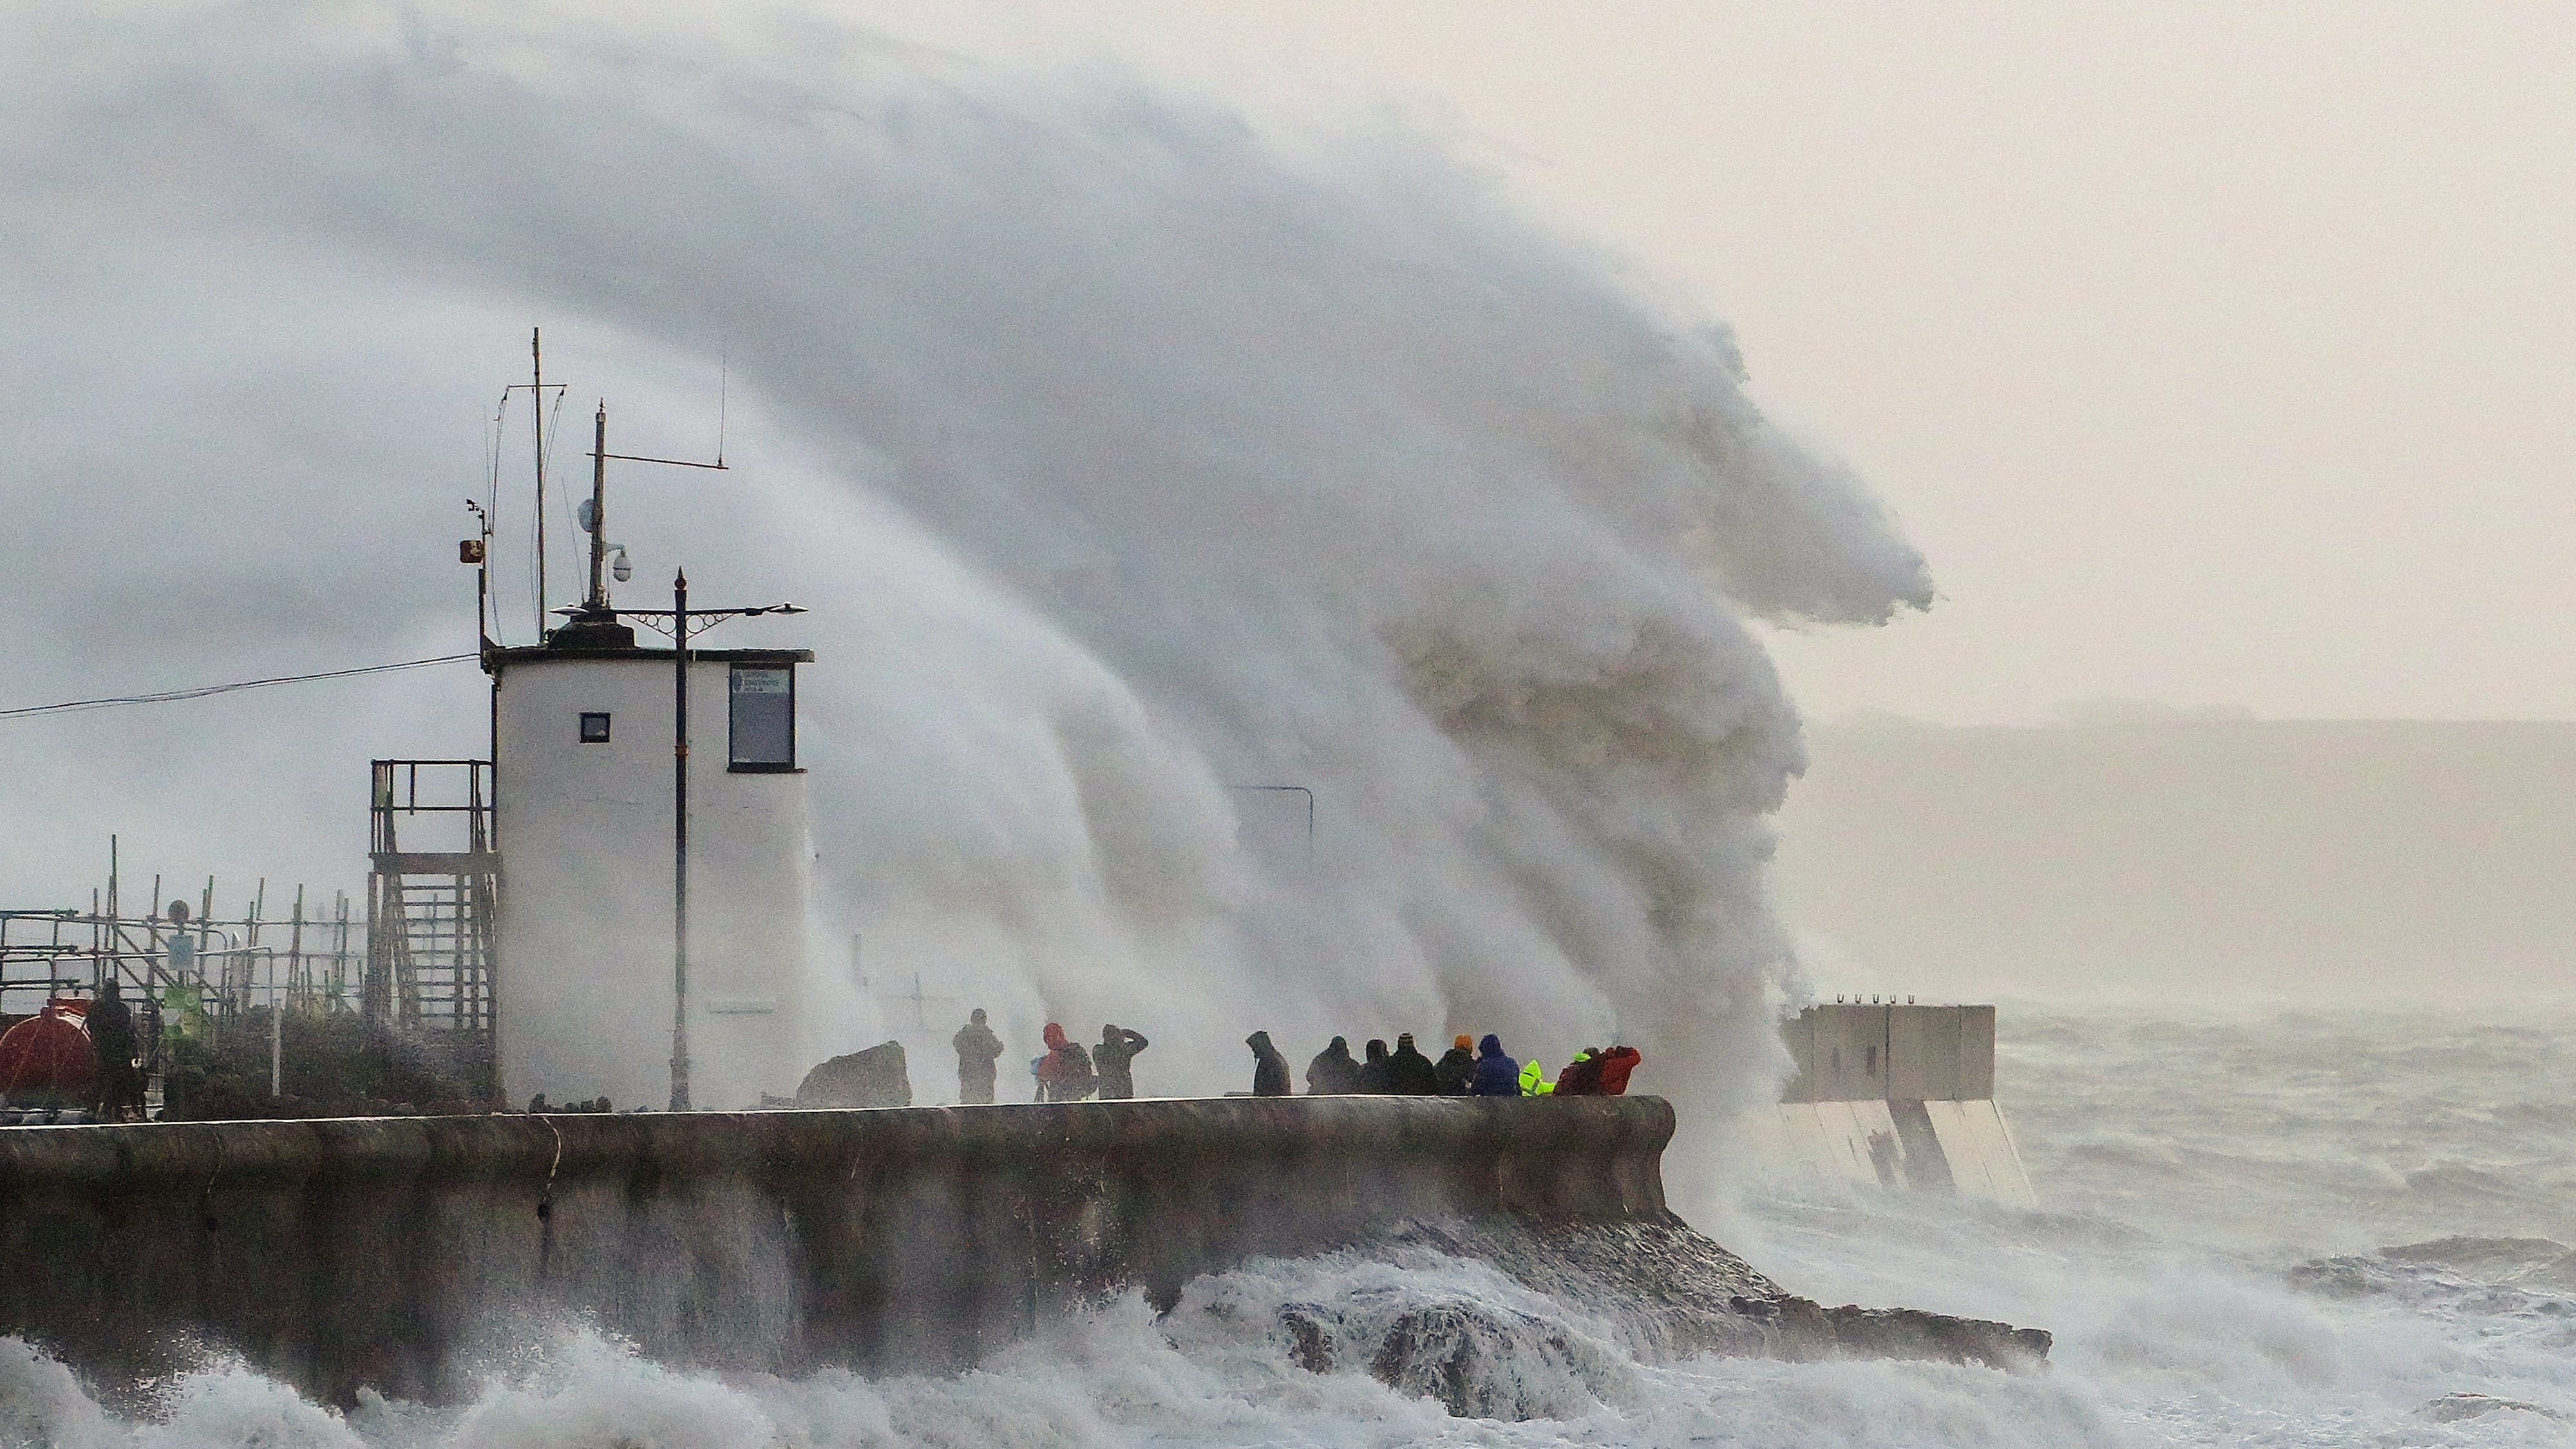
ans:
(1129, 454)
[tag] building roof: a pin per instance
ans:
(497, 659)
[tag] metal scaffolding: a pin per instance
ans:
(209, 967)
(415, 963)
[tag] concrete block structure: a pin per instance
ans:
(1901, 1095)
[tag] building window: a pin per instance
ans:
(594, 727)
(763, 700)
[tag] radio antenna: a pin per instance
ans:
(537, 396)
(536, 386)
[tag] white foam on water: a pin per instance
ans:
(2161, 1337)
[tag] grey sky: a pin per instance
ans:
(2212, 353)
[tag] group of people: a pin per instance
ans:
(1403, 1071)
(1068, 1072)
(1065, 1073)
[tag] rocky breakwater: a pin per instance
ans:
(396, 1253)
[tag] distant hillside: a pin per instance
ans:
(2327, 857)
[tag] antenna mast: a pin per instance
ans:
(537, 394)
(599, 512)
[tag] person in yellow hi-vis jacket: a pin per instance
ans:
(1534, 1082)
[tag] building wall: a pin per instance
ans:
(1849, 1052)
(585, 917)
(1857, 1051)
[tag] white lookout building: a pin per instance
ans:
(582, 748)
(543, 915)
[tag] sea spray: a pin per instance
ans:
(1159, 455)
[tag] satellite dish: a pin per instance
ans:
(586, 514)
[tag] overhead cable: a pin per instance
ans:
(170, 696)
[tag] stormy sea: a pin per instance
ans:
(2259, 1228)
(1144, 461)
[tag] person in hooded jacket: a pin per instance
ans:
(1496, 1074)
(1373, 1076)
(977, 1048)
(1118, 1047)
(1616, 1064)
(1582, 1076)
(1269, 1068)
(1064, 1073)
(1408, 1072)
(1332, 1073)
(1455, 1073)
(118, 1087)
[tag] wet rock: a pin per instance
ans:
(1657, 1289)
(2451, 1408)
(1479, 1363)
(1912, 1333)
(1310, 1343)
(876, 1077)
(1678, 1293)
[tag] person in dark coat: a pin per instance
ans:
(1408, 1072)
(1332, 1073)
(1496, 1074)
(1455, 1073)
(1064, 1073)
(1118, 1047)
(118, 1086)
(977, 1050)
(1616, 1064)
(1582, 1076)
(1269, 1068)
(1373, 1077)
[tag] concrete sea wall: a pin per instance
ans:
(392, 1252)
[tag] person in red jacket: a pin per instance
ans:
(1064, 1073)
(1582, 1076)
(1616, 1064)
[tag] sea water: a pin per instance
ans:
(2219, 1189)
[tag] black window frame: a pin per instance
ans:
(581, 730)
(733, 763)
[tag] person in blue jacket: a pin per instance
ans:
(1496, 1074)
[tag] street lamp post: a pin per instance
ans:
(680, 615)
(680, 842)
(682, 620)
